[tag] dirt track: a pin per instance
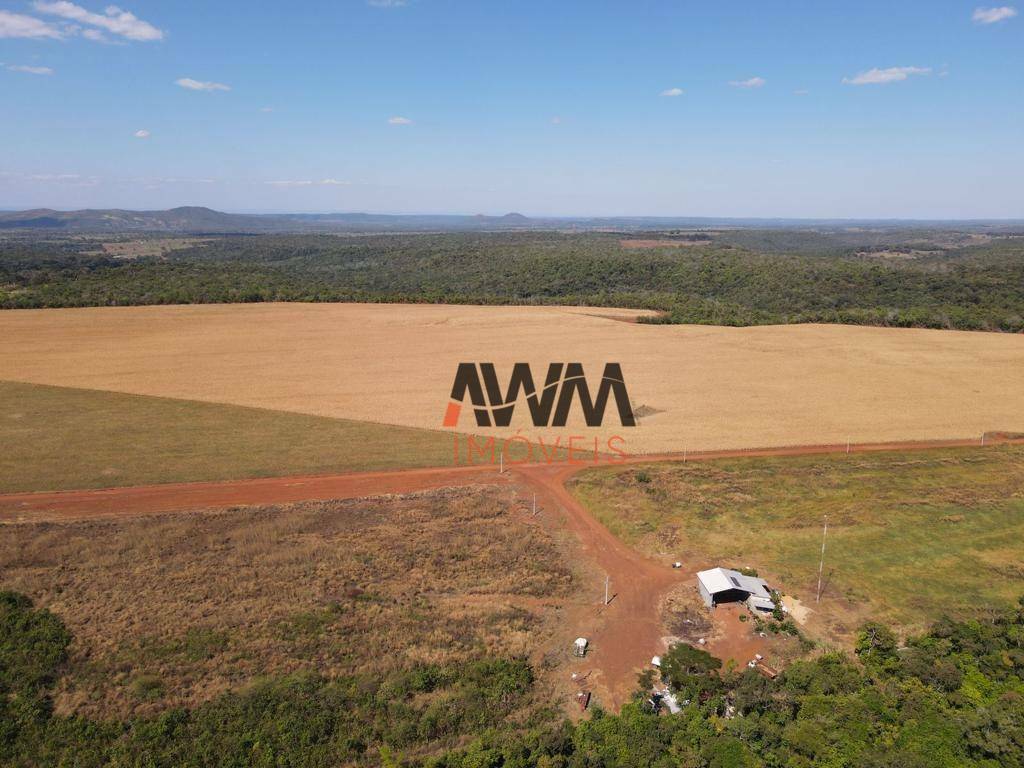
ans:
(625, 634)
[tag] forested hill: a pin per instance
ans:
(193, 219)
(921, 278)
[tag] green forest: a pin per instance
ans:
(913, 278)
(951, 697)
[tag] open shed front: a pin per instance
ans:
(730, 596)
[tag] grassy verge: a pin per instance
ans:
(58, 438)
(912, 536)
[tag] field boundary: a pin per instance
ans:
(988, 439)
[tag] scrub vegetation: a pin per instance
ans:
(953, 697)
(408, 600)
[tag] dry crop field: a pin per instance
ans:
(176, 609)
(703, 387)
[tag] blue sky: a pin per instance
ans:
(796, 109)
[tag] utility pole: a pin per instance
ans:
(535, 503)
(821, 565)
(607, 581)
(501, 463)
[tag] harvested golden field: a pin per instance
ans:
(702, 387)
(177, 609)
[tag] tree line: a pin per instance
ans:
(973, 288)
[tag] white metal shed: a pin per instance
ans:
(718, 585)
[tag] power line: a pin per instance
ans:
(821, 565)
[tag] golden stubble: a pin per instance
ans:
(703, 387)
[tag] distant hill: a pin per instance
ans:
(193, 219)
(185, 219)
(196, 219)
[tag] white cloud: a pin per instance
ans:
(397, 120)
(753, 82)
(19, 25)
(881, 76)
(266, 109)
(28, 69)
(672, 92)
(993, 15)
(155, 182)
(201, 85)
(65, 179)
(113, 20)
(387, 3)
(556, 120)
(801, 92)
(309, 183)
(141, 134)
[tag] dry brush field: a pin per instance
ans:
(177, 609)
(703, 387)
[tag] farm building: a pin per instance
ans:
(722, 585)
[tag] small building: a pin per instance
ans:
(722, 585)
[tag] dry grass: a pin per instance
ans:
(705, 387)
(175, 609)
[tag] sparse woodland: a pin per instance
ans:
(951, 697)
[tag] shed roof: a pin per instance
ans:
(717, 580)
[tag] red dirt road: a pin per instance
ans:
(176, 497)
(628, 631)
(624, 634)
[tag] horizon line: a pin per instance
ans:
(536, 217)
